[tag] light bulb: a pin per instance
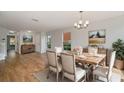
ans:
(78, 26)
(80, 22)
(85, 25)
(87, 22)
(75, 24)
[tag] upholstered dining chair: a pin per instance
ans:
(70, 70)
(105, 72)
(92, 50)
(58, 49)
(54, 66)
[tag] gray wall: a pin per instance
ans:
(114, 30)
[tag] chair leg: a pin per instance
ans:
(62, 76)
(57, 76)
(108, 80)
(94, 78)
(48, 74)
(85, 78)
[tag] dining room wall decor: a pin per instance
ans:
(97, 37)
(27, 38)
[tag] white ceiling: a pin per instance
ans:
(49, 20)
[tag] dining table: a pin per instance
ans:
(87, 58)
(88, 61)
(92, 59)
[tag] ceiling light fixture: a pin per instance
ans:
(11, 32)
(80, 25)
(29, 31)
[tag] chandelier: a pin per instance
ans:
(80, 25)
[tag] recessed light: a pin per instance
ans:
(11, 32)
(29, 31)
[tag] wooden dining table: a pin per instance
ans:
(88, 59)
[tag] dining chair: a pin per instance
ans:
(105, 52)
(53, 64)
(105, 72)
(70, 70)
(92, 50)
(58, 49)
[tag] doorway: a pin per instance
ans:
(10, 43)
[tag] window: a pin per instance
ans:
(48, 41)
(67, 40)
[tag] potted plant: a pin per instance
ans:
(118, 46)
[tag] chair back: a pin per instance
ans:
(112, 60)
(58, 49)
(92, 50)
(78, 49)
(52, 58)
(68, 63)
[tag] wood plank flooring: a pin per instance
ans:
(20, 68)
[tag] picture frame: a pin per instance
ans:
(97, 37)
(27, 38)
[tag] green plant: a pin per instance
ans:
(48, 44)
(67, 45)
(118, 46)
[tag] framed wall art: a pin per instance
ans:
(97, 37)
(27, 38)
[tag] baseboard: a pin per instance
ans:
(2, 57)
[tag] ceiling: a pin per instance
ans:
(49, 20)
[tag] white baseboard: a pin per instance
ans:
(2, 57)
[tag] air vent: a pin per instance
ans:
(35, 20)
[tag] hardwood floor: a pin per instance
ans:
(20, 68)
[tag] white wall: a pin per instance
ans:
(57, 38)
(36, 40)
(43, 42)
(3, 43)
(39, 39)
(114, 30)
